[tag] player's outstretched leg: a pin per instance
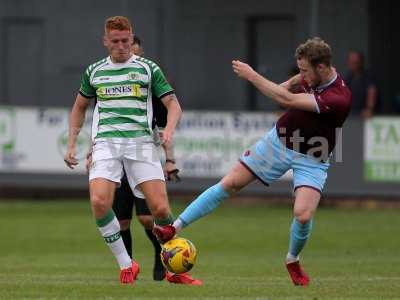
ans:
(237, 178)
(201, 206)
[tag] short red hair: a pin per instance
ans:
(117, 23)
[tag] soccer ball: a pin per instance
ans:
(178, 255)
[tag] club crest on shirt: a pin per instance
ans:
(134, 76)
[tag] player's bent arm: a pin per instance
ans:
(278, 93)
(76, 119)
(282, 96)
(292, 83)
(174, 111)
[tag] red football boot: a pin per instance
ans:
(297, 274)
(164, 233)
(129, 275)
(183, 278)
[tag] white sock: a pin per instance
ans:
(112, 236)
(178, 224)
(291, 259)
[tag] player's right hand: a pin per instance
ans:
(166, 136)
(70, 159)
(243, 70)
(173, 176)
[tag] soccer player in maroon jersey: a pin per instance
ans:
(317, 102)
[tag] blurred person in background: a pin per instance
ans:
(302, 140)
(362, 86)
(125, 199)
(123, 84)
(159, 122)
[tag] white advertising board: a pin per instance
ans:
(382, 149)
(34, 140)
(207, 144)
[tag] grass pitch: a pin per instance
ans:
(52, 250)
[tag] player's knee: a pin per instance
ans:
(124, 224)
(146, 221)
(230, 185)
(99, 204)
(234, 181)
(161, 211)
(303, 216)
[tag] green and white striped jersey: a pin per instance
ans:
(124, 92)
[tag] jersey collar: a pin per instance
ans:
(321, 87)
(130, 59)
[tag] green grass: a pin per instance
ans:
(52, 250)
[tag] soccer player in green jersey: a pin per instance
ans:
(125, 200)
(123, 84)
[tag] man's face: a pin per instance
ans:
(118, 43)
(354, 62)
(310, 74)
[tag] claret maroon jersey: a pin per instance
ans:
(305, 131)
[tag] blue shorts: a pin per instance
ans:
(269, 159)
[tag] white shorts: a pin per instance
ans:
(141, 163)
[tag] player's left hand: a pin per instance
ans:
(243, 70)
(166, 136)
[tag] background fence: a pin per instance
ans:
(46, 45)
(33, 141)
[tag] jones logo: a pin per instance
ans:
(120, 90)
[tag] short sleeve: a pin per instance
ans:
(159, 85)
(86, 89)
